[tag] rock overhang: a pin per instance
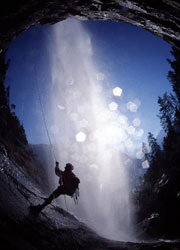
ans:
(159, 17)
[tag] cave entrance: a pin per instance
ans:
(99, 83)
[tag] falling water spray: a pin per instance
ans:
(89, 132)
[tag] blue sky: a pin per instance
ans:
(130, 57)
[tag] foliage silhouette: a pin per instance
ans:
(158, 196)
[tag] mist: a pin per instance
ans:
(90, 132)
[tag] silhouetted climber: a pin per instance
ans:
(68, 185)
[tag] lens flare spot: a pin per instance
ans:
(73, 117)
(61, 107)
(70, 82)
(130, 130)
(83, 123)
(123, 121)
(139, 133)
(139, 155)
(145, 164)
(128, 143)
(94, 166)
(131, 106)
(81, 137)
(136, 122)
(128, 162)
(113, 106)
(117, 91)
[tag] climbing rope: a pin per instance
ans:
(43, 114)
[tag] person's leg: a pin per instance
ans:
(54, 195)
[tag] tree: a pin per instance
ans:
(174, 74)
(167, 111)
(155, 148)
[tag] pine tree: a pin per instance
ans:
(167, 111)
(155, 148)
(174, 74)
(162, 180)
(174, 78)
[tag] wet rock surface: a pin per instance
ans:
(160, 17)
(54, 228)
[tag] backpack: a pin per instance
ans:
(75, 182)
(75, 186)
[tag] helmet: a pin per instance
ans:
(69, 167)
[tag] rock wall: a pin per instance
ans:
(158, 16)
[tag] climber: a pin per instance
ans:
(68, 185)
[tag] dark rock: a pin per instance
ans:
(53, 228)
(160, 17)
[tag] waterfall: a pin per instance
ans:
(89, 131)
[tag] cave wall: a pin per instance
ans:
(158, 16)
